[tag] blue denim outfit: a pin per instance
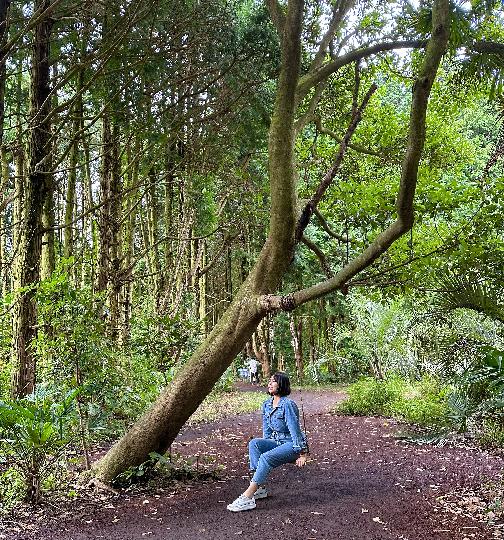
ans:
(282, 439)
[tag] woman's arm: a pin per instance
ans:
(267, 431)
(292, 421)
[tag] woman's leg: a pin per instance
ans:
(257, 447)
(265, 454)
(279, 455)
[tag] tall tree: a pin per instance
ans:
(4, 164)
(36, 189)
(255, 298)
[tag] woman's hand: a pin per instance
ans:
(301, 460)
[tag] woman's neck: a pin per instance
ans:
(276, 400)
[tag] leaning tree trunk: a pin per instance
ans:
(156, 430)
(159, 426)
(27, 265)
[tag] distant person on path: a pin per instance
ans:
(283, 442)
(253, 363)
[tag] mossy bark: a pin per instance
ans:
(34, 195)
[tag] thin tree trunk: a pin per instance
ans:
(115, 245)
(4, 179)
(296, 329)
(261, 349)
(311, 342)
(103, 273)
(128, 235)
(68, 238)
(4, 186)
(152, 237)
(27, 267)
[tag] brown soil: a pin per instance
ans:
(362, 484)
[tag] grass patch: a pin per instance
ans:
(223, 404)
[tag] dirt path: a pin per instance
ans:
(362, 484)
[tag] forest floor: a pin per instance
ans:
(362, 484)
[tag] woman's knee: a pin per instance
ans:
(253, 444)
(265, 460)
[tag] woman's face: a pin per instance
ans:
(272, 387)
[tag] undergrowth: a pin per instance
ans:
(421, 402)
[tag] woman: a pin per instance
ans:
(282, 442)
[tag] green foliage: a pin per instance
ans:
(170, 467)
(12, 488)
(462, 291)
(160, 339)
(345, 364)
(34, 433)
(370, 396)
(425, 403)
(422, 403)
(72, 345)
(491, 433)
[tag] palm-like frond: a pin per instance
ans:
(438, 437)
(460, 409)
(459, 291)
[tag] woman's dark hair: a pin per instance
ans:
(283, 382)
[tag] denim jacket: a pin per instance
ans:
(282, 423)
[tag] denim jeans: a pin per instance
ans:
(266, 454)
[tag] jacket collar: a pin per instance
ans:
(281, 402)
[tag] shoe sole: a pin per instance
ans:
(241, 509)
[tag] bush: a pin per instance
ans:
(33, 435)
(371, 396)
(423, 402)
(491, 433)
(12, 489)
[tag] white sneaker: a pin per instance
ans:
(242, 503)
(261, 493)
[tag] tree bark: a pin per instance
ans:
(27, 266)
(296, 329)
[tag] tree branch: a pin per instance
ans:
(326, 227)
(320, 255)
(329, 177)
(488, 47)
(353, 146)
(311, 79)
(227, 240)
(309, 115)
(277, 15)
(340, 9)
(404, 205)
